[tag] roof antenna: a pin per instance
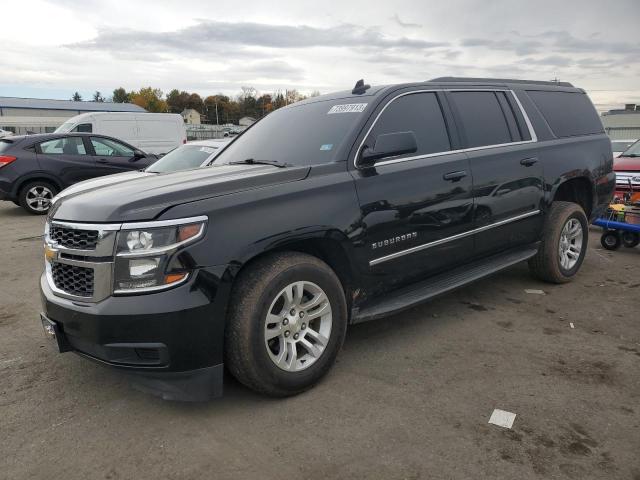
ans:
(360, 87)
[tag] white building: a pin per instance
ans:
(623, 124)
(191, 116)
(246, 121)
(34, 115)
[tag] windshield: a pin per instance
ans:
(183, 158)
(307, 134)
(65, 127)
(632, 151)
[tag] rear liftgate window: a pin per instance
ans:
(568, 113)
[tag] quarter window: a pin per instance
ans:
(83, 127)
(419, 113)
(105, 147)
(482, 118)
(63, 146)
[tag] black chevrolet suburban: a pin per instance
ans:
(331, 211)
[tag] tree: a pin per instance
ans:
(76, 97)
(150, 99)
(195, 101)
(97, 97)
(177, 100)
(120, 95)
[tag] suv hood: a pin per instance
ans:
(146, 195)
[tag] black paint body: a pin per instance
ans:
(338, 211)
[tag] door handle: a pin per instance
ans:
(527, 162)
(454, 176)
(102, 161)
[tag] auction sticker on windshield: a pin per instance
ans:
(348, 108)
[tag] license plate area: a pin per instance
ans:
(53, 332)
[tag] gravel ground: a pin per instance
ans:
(410, 396)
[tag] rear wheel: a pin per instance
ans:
(630, 239)
(611, 240)
(564, 244)
(35, 197)
(287, 322)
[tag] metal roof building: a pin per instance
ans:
(24, 115)
(623, 124)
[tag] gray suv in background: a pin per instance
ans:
(34, 168)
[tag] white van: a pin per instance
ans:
(150, 132)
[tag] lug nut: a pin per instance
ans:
(293, 312)
(285, 321)
(287, 333)
(304, 325)
(295, 337)
(301, 314)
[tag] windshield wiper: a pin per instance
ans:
(251, 161)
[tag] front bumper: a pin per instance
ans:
(170, 342)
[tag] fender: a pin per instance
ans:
(38, 174)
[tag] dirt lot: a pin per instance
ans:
(409, 398)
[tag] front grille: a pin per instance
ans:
(623, 179)
(73, 280)
(73, 238)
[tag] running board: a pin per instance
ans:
(415, 294)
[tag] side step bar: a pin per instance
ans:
(415, 294)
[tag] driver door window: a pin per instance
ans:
(419, 113)
(105, 147)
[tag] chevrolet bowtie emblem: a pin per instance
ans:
(49, 253)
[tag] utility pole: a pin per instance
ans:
(217, 123)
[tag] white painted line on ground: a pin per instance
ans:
(502, 418)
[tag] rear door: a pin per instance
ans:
(507, 175)
(415, 206)
(67, 158)
(112, 156)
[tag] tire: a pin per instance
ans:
(611, 240)
(630, 239)
(266, 364)
(35, 197)
(560, 256)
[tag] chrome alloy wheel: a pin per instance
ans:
(39, 198)
(570, 244)
(298, 326)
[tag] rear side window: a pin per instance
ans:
(483, 119)
(419, 113)
(567, 113)
(5, 145)
(63, 146)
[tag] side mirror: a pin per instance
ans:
(137, 155)
(389, 145)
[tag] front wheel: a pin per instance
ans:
(564, 244)
(287, 322)
(611, 240)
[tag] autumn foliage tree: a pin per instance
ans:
(150, 99)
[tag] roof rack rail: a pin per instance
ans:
(500, 80)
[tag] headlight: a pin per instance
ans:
(145, 260)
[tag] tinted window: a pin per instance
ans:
(109, 148)
(482, 118)
(5, 145)
(63, 146)
(84, 127)
(301, 134)
(419, 113)
(183, 158)
(567, 113)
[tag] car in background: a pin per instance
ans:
(196, 154)
(627, 168)
(156, 133)
(34, 168)
(619, 146)
(5, 133)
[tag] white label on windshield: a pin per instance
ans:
(207, 149)
(348, 108)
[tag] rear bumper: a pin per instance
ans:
(169, 343)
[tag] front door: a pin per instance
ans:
(114, 157)
(414, 207)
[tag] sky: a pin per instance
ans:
(50, 49)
